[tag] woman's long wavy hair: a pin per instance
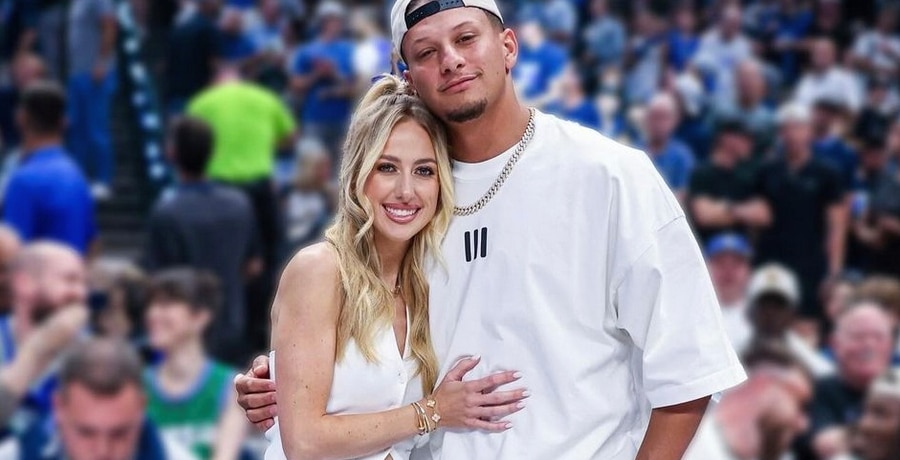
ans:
(367, 302)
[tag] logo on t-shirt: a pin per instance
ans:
(476, 244)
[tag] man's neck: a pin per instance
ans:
(656, 146)
(493, 133)
(186, 179)
(33, 143)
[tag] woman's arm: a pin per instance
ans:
(305, 320)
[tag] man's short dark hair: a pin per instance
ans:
(732, 126)
(102, 365)
(192, 139)
(44, 105)
(199, 289)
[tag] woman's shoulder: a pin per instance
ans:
(317, 261)
(311, 279)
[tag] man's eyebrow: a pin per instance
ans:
(466, 23)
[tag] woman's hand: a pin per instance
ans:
(476, 405)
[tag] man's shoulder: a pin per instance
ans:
(586, 151)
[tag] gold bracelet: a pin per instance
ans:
(432, 404)
(422, 418)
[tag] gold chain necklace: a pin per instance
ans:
(504, 174)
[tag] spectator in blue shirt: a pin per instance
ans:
(827, 114)
(540, 62)
(572, 103)
(603, 40)
(47, 196)
(323, 78)
(683, 40)
(235, 45)
(673, 159)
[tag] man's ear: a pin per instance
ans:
(511, 49)
(409, 79)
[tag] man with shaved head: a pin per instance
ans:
(47, 279)
(672, 158)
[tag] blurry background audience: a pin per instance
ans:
(161, 160)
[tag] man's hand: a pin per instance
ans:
(256, 394)
(42, 346)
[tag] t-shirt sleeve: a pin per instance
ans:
(20, 208)
(661, 294)
(284, 121)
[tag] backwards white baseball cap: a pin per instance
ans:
(402, 22)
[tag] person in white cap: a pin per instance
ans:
(568, 259)
(774, 296)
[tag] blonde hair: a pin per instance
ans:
(367, 302)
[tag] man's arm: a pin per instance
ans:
(710, 212)
(671, 430)
(753, 213)
(837, 237)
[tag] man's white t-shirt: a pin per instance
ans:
(582, 274)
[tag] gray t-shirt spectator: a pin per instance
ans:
(212, 227)
(85, 33)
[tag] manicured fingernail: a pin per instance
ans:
(517, 375)
(476, 358)
(508, 426)
(520, 405)
(526, 394)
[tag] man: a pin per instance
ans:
(47, 196)
(208, 226)
(25, 69)
(722, 192)
(600, 301)
(774, 296)
(728, 257)
(759, 418)
(191, 54)
(877, 435)
(45, 278)
(91, 39)
(829, 113)
(674, 159)
(249, 123)
(862, 344)
(750, 105)
(809, 219)
(826, 77)
(100, 410)
(322, 78)
(721, 48)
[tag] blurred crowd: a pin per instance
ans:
(776, 123)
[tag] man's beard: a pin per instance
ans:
(467, 112)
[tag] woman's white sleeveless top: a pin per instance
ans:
(360, 387)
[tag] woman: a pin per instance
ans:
(350, 318)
